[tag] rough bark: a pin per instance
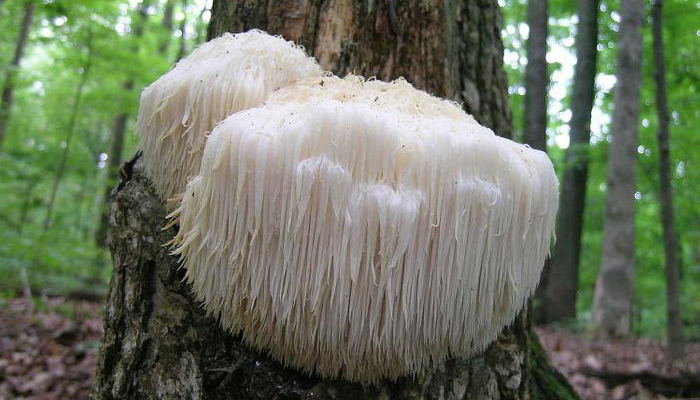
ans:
(536, 77)
(8, 89)
(612, 308)
(557, 293)
(674, 328)
(158, 343)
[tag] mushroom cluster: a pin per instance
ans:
(359, 229)
(225, 75)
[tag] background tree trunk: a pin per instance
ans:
(612, 308)
(8, 88)
(674, 327)
(536, 77)
(557, 293)
(168, 12)
(116, 138)
(70, 130)
(182, 47)
(158, 343)
(536, 82)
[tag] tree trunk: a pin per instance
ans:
(114, 158)
(182, 49)
(612, 308)
(200, 27)
(674, 326)
(536, 82)
(536, 78)
(158, 342)
(8, 89)
(558, 291)
(167, 26)
(70, 130)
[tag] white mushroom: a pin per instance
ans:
(225, 75)
(365, 229)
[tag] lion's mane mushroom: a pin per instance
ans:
(225, 75)
(365, 229)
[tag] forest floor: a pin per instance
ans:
(630, 369)
(49, 351)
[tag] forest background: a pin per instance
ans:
(74, 87)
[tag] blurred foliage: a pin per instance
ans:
(682, 44)
(62, 257)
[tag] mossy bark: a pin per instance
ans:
(158, 342)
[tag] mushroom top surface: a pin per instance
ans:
(398, 96)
